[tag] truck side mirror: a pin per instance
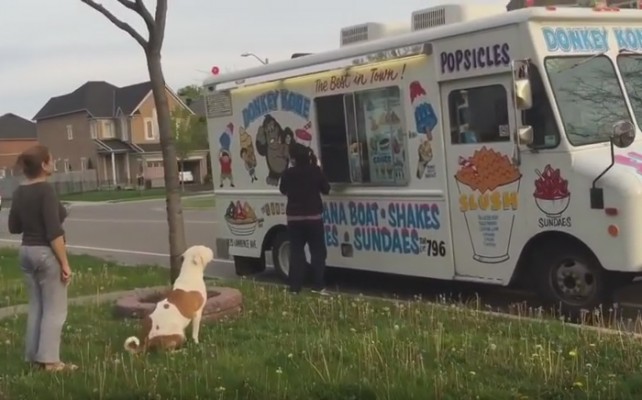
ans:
(523, 94)
(522, 85)
(525, 135)
(623, 133)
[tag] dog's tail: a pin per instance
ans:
(132, 345)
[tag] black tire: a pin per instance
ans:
(569, 277)
(245, 266)
(281, 254)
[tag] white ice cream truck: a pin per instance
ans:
(475, 145)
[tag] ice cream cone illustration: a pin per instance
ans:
(488, 184)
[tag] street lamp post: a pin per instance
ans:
(262, 61)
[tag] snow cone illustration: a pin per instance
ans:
(488, 185)
(241, 219)
(551, 195)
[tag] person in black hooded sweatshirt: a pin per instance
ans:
(303, 185)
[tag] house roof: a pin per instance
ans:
(16, 127)
(94, 97)
(98, 98)
(129, 97)
(197, 106)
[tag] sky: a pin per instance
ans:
(50, 47)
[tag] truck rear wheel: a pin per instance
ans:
(281, 254)
(572, 278)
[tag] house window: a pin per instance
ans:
(3, 173)
(55, 165)
(479, 115)
(70, 132)
(83, 164)
(363, 138)
(66, 165)
(154, 164)
(149, 129)
(93, 129)
(124, 128)
(108, 130)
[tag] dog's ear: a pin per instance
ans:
(197, 259)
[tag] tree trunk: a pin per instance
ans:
(183, 173)
(177, 245)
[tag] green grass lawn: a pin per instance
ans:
(91, 276)
(343, 347)
(199, 203)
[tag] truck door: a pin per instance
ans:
(483, 182)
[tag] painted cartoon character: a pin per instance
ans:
(247, 153)
(224, 155)
(272, 142)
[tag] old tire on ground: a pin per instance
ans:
(281, 254)
(248, 265)
(221, 302)
(571, 278)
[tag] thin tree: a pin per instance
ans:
(152, 47)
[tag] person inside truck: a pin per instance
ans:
(303, 184)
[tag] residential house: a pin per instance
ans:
(16, 135)
(113, 130)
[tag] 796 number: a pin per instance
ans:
(436, 248)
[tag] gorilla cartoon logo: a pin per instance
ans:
(272, 142)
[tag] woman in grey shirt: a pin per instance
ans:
(37, 214)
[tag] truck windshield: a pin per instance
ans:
(630, 66)
(588, 95)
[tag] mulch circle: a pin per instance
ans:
(221, 302)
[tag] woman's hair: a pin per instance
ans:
(31, 160)
(301, 154)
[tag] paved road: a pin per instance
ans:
(136, 233)
(128, 232)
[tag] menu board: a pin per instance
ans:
(384, 131)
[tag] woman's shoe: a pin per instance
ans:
(59, 366)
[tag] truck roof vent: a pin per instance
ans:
(428, 18)
(452, 13)
(370, 31)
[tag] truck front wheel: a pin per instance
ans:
(571, 277)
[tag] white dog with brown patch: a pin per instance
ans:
(165, 327)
